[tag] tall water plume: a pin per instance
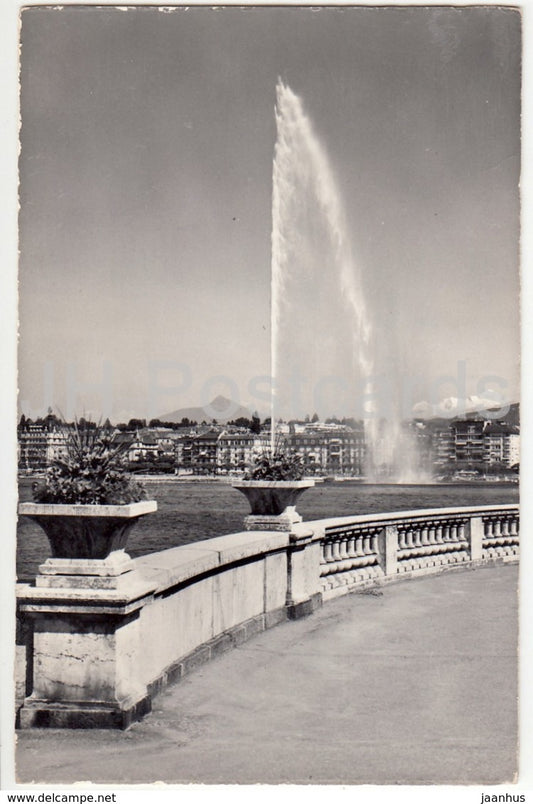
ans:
(311, 256)
(321, 332)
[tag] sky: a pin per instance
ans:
(147, 143)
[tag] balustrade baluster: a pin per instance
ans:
(349, 552)
(401, 539)
(343, 548)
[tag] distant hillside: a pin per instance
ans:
(512, 417)
(221, 409)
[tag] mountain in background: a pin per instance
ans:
(512, 417)
(221, 409)
(224, 410)
(473, 407)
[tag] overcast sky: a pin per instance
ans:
(146, 179)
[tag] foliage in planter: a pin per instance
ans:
(93, 472)
(282, 464)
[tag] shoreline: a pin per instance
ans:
(163, 478)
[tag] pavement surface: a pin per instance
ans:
(415, 683)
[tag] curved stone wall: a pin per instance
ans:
(94, 649)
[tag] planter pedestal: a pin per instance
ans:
(83, 614)
(84, 618)
(273, 507)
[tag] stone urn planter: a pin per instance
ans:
(272, 502)
(86, 531)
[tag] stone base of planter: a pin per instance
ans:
(281, 522)
(43, 715)
(114, 572)
(115, 564)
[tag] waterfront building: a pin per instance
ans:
(56, 444)
(234, 451)
(475, 442)
(237, 449)
(442, 444)
(40, 444)
(469, 443)
(336, 450)
(32, 451)
(143, 447)
(501, 444)
(199, 453)
(312, 447)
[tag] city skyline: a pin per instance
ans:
(147, 144)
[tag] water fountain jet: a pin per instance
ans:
(312, 257)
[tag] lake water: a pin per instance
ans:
(192, 511)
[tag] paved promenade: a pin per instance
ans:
(414, 683)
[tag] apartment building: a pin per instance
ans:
(38, 446)
(474, 441)
(238, 449)
(501, 444)
(333, 450)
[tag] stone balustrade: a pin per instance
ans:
(360, 550)
(96, 643)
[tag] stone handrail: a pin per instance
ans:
(94, 649)
(371, 548)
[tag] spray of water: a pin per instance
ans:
(310, 233)
(303, 181)
(392, 453)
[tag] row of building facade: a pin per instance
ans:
(477, 442)
(326, 449)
